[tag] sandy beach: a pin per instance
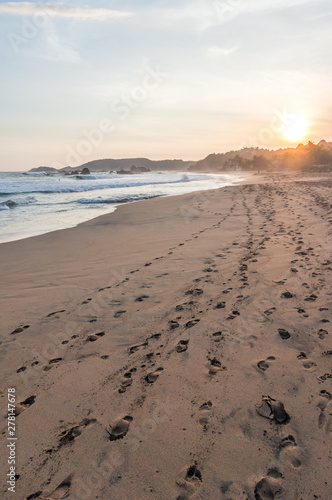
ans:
(178, 348)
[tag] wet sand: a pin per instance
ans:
(179, 348)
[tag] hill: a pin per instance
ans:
(109, 165)
(308, 157)
(126, 163)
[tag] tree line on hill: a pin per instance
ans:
(309, 157)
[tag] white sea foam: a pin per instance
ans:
(124, 199)
(72, 184)
(36, 174)
(20, 201)
(17, 202)
(35, 204)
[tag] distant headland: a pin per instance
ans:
(309, 157)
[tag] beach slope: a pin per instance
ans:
(179, 348)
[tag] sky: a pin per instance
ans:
(82, 80)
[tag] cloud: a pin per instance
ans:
(275, 4)
(55, 49)
(217, 12)
(60, 10)
(215, 51)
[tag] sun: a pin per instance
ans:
(295, 128)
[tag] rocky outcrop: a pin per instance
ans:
(139, 170)
(43, 169)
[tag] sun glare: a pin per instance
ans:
(295, 128)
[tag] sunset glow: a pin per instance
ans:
(295, 128)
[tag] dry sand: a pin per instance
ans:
(178, 348)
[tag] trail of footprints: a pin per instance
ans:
(190, 478)
(288, 449)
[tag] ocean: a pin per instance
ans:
(36, 203)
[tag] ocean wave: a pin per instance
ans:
(89, 177)
(35, 174)
(70, 185)
(3, 207)
(18, 202)
(97, 201)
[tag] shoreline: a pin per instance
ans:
(75, 217)
(178, 348)
(68, 246)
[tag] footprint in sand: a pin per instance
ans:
(152, 377)
(136, 347)
(69, 435)
(141, 298)
(220, 305)
(173, 324)
(286, 295)
(324, 377)
(190, 479)
(311, 298)
(284, 334)
(195, 292)
(205, 411)
(307, 364)
(20, 329)
(182, 346)
(115, 302)
(127, 380)
(120, 429)
(268, 487)
(118, 314)
(52, 362)
(273, 410)
(270, 311)
(155, 336)
(208, 270)
(192, 323)
(62, 491)
(24, 405)
(322, 334)
(54, 313)
(218, 337)
(288, 447)
(265, 364)
(215, 366)
(233, 315)
(325, 406)
(95, 336)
